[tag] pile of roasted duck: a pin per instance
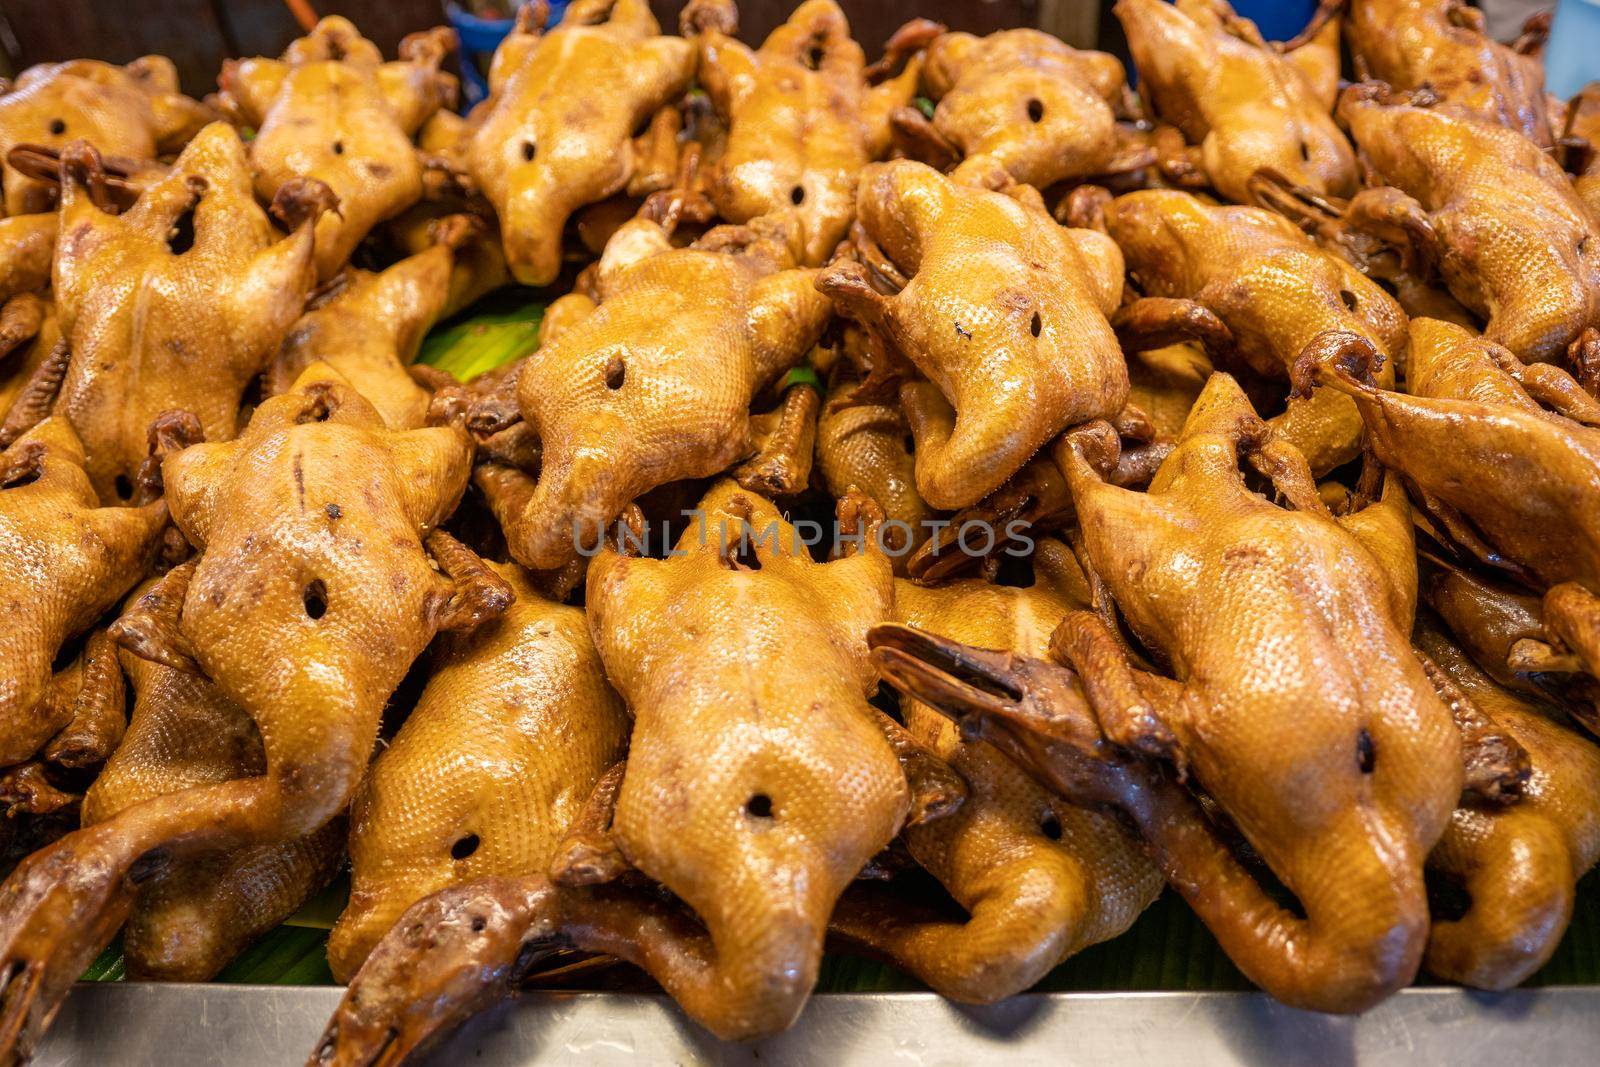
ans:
(1212, 473)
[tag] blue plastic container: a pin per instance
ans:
(1278, 20)
(480, 37)
(1572, 58)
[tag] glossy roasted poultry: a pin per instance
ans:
(1024, 101)
(513, 732)
(175, 304)
(557, 131)
(332, 110)
(1040, 878)
(654, 385)
(1505, 459)
(1241, 104)
(1271, 289)
(1492, 213)
(311, 595)
(802, 120)
(1002, 309)
(758, 783)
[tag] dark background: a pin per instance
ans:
(199, 34)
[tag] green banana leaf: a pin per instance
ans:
(1168, 948)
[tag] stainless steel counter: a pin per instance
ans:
(255, 1026)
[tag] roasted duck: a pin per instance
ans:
(1518, 863)
(867, 446)
(802, 120)
(1246, 106)
(1040, 878)
(1025, 101)
(557, 130)
(197, 912)
(1270, 287)
(331, 109)
(177, 303)
(1295, 703)
(65, 560)
(1003, 310)
(655, 384)
(731, 796)
(1492, 213)
(310, 597)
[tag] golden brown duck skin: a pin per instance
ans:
(1271, 287)
(1248, 108)
(515, 727)
(368, 327)
(556, 132)
(64, 560)
(1003, 310)
(867, 446)
(152, 329)
(311, 595)
(802, 120)
(331, 109)
(655, 384)
(1496, 215)
(198, 912)
(133, 111)
(1298, 705)
(1582, 143)
(758, 784)
(1040, 878)
(1518, 864)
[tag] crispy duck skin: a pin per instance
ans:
(1494, 214)
(655, 384)
(198, 912)
(758, 784)
(866, 446)
(134, 111)
(1297, 704)
(311, 595)
(802, 120)
(1518, 863)
(1040, 878)
(1442, 44)
(1505, 457)
(557, 130)
(1044, 111)
(1269, 285)
(1581, 137)
(65, 560)
(368, 327)
(1005, 312)
(152, 329)
(514, 730)
(1247, 107)
(331, 109)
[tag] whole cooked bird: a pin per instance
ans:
(758, 784)
(1495, 215)
(311, 595)
(1294, 701)
(1246, 106)
(1442, 44)
(1518, 864)
(655, 383)
(177, 303)
(802, 120)
(1505, 458)
(196, 913)
(1002, 309)
(1027, 102)
(368, 327)
(1040, 878)
(1269, 285)
(65, 560)
(514, 730)
(557, 130)
(331, 109)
